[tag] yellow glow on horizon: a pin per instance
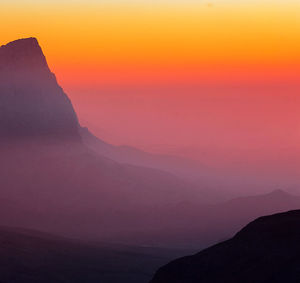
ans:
(159, 35)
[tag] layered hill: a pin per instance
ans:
(265, 251)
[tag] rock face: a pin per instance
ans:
(267, 250)
(31, 101)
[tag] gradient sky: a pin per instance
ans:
(161, 74)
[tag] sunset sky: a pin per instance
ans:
(161, 74)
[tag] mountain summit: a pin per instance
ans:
(23, 54)
(32, 104)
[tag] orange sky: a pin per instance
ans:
(115, 41)
(119, 60)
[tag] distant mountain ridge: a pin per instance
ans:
(179, 166)
(32, 104)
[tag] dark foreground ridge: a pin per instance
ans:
(266, 250)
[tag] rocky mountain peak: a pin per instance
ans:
(31, 101)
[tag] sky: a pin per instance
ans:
(204, 76)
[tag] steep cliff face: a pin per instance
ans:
(32, 104)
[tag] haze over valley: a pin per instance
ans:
(122, 154)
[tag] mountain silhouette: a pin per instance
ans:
(72, 189)
(32, 104)
(266, 251)
(64, 187)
